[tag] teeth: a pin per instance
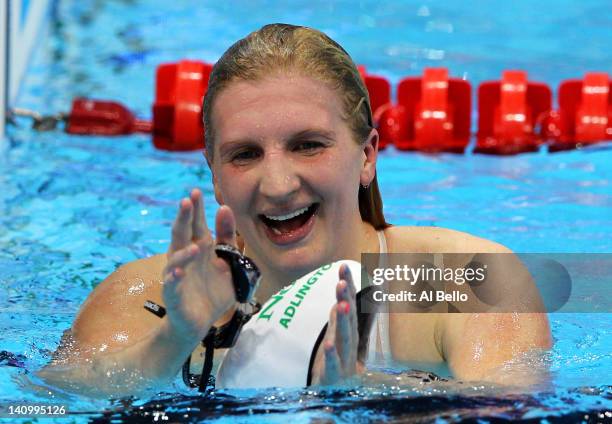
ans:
(288, 216)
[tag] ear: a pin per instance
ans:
(218, 196)
(370, 154)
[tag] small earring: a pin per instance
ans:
(365, 186)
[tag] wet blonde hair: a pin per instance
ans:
(283, 47)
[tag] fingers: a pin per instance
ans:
(333, 371)
(225, 226)
(338, 345)
(172, 277)
(345, 291)
(181, 258)
(345, 274)
(330, 334)
(199, 228)
(345, 339)
(347, 334)
(190, 222)
(342, 337)
(175, 268)
(182, 228)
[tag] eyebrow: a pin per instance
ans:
(314, 133)
(300, 135)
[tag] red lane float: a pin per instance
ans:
(585, 113)
(379, 91)
(100, 117)
(177, 111)
(508, 111)
(392, 124)
(432, 114)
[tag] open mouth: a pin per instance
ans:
(290, 227)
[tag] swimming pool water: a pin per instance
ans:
(73, 208)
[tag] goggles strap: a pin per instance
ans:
(206, 380)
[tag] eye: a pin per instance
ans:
(244, 156)
(308, 146)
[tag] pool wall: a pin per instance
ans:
(21, 23)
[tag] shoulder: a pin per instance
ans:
(130, 279)
(438, 240)
(113, 314)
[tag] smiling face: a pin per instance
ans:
(286, 162)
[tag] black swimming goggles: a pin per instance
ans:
(246, 278)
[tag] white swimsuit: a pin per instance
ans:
(379, 348)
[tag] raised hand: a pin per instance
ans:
(337, 359)
(198, 287)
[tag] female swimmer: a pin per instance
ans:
(292, 150)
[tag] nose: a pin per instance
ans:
(280, 179)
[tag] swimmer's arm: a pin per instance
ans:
(477, 346)
(139, 369)
(505, 344)
(116, 347)
(501, 348)
(137, 351)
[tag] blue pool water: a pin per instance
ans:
(74, 208)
